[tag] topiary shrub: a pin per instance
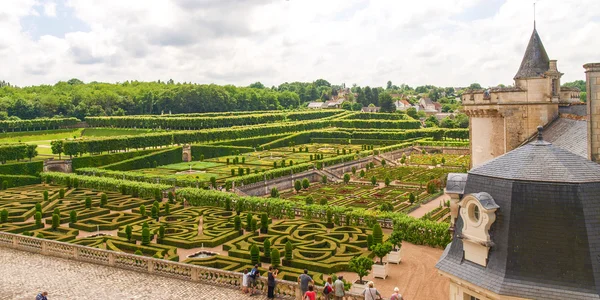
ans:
(157, 195)
(161, 234)
(362, 173)
(369, 241)
(289, 248)
(88, 202)
(324, 179)
(387, 181)
(123, 190)
(167, 208)
(138, 252)
(329, 215)
(40, 235)
(264, 223)
(154, 212)
(297, 185)
(305, 183)
(145, 236)
(346, 178)
(56, 211)
(254, 225)
(377, 234)
(171, 197)
(38, 220)
(61, 193)
(73, 217)
(143, 210)
(254, 254)
(4, 185)
(323, 201)
(267, 248)
(237, 223)
(275, 259)
(4, 216)
(373, 180)
(411, 198)
(353, 170)
(128, 232)
(249, 222)
(274, 193)
(55, 221)
(46, 196)
(309, 200)
(103, 200)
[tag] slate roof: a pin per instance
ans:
(455, 183)
(535, 61)
(541, 161)
(568, 134)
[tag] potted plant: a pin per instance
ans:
(381, 250)
(361, 266)
(396, 240)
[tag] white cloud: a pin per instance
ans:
(50, 9)
(440, 42)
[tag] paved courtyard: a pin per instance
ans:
(24, 274)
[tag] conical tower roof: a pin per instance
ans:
(535, 61)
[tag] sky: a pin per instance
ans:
(438, 42)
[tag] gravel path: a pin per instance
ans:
(24, 274)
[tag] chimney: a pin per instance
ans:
(592, 77)
(552, 66)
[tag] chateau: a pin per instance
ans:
(525, 218)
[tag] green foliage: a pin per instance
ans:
(161, 233)
(305, 183)
(73, 216)
(411, 198)
(275, 258)
(253, 225)
(55, 221)
(237, 223)
(61, 193)
(373, 180)
(288, 251)
(297, 185)
(309, 200)
(324, 179)
(267, 248)
(346, 178)
(164, 157)
(128, 232)
(381, 250)
(274, 193)
(145, 236)
(143, 210)
(353, 170)
(386, 207)
(45, 195)
(138, 252)
(4, 216)
(369, 241)
(264, 223)
(38, 219)
(323, 201)
(249, 222)
(387, 181)
(362, 174)
(254, 254)
(38, 207)
(88, 202)
(361, 265)
(377, 234)
(154, 212)
(103, 200)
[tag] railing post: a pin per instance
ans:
(15, 241)
(150, 266)
(194, 274)
(111, 259)
(75, 253)
(44, 248)
(298, 293)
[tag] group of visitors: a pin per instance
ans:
(331, 290)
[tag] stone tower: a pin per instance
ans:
(501, 119)
(592, 76)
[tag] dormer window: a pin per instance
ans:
(478, 212)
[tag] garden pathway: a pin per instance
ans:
(427, 207)
(24, 274)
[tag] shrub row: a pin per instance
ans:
(152, 160)
(270, 174)
(210, 151)
(435, 133)
(442, 143)
(37, 124)
(421, 232)
(143, 189)
(398, 124)
(16, 151)
(18, 180)
(251, 141)
(377, 116)
(172, 180)
(105, 159)
(33, 168)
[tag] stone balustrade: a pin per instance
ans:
(284, 289)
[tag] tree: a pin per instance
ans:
(31, 151)
(45, 195)
(411, 198)
(389, 85)
(412, 112)
(253, 225)
(362, 173)
(154, 212)
(128, 232)
(396, 239)
(274, 193)
(297, 185)
(161, 234)
(353, 170)
(475, 86)
(257, 85)
(103, 200)
(4, 216)
(213, 182)
(88, 202)
(143, 210)
(237, 223)
(432, 121)
(377, 234)
(324, 179)
(249, 222)
(61, 193)
(373, 180)
(38, 219)
(145, 236)
(305, 183)
(288, 251)
(55, 221)
(275, 259)
(369, 241)
(267, 248)
(57, 147)
(383, 162)
(73, 216)
(381, 250)
(346, 178)
(264, 223)
(387, 181)
(361, 265)
(386, 103)
(386, 206)
(309, 200)
(254, 254)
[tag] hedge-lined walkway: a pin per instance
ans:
(24, 274)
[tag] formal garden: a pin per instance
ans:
(168, 187)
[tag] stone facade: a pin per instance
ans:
(592, 74)
(64, 166)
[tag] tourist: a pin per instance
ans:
(328, 289)
(271, 282)
(339, 289)
(371, 293)
(254, 274)
(310, 294)
(42, 296)
(304, 280)
(396, 295)
(245, 281)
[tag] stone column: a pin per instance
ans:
(592, 76)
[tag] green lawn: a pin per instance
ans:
(99, 132)
(196, 165)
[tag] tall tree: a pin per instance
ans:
(387, 103)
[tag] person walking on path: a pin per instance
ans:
(338, 288)
(396, 295)
(42, 296)
(371, 293)
(310, 294)
(304, 280)
(328, 289)
(271, 282)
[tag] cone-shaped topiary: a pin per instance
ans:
(73, 216)
(128, 232)
(46, 196)
(4, 216)
(237, 223)
(248, 222)
(275, 259)
(369, 241)
(143, 210)
(254, 254)
(264, 223)
(267, 248)
(55, 221)
(288, 251)
(145, 236)
(377, 234)
(103, 200)
(88, 202)
(38, 220)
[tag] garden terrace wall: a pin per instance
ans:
(281, 183)
(346, 167)
(143, 264)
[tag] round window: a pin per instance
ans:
(474, 213)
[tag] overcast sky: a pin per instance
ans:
(439, 42)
